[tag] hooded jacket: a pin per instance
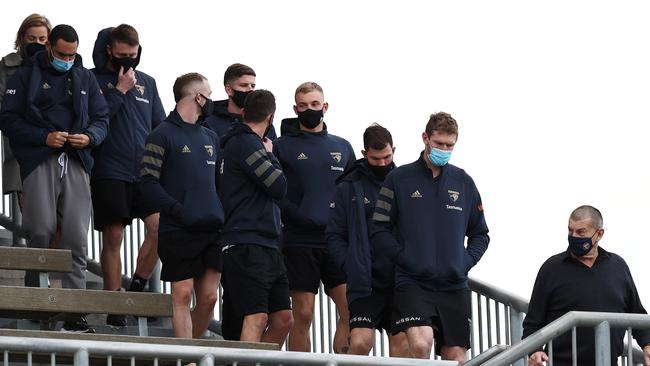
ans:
(8, 66)
(251, 182)
(179, 176)
(421, 223)
(27, 118)
(221, 120)
(348, 242)
(132, 117)
(311, 161)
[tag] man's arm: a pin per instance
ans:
(153, 161)
(12, 114)
(384, 220)
(536, 317)
(477, 230)
(337, 226)
(259, 163)
(97, 113)
(634, 306)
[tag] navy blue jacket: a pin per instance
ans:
(422, 222)
(133, 116)
(251, 181)
(311, 161)
(179, 176)
(22, 118)
(348, 242)
(221, 120)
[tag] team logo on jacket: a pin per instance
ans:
(46, 86)
(140, 88)
(110, 86)
(416, 194)
(453, 195)
(366, 200)
(209, 149)
(302, 156)
(336, 156)
(186, 149)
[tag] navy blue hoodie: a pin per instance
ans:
(221, 120)
(133, 115)
(179, 176)
(422, 222)
(33, 107)
(348, 242)
(311, 161)
(251, 182)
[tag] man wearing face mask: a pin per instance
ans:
(54, 114)
(179, 179)
(312, 160)
(424, 212)
(135, 110)
(585, 277)
(238, 82)
(370, 275)
(30, 39)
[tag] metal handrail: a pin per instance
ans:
(516, 302)
(206, 356)
(566, 323)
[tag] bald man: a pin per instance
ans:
(585, 277)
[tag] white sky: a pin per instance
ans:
(551, 96)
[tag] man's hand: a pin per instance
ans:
(79, 140)
(56, 139)
(268, 144)
(537, 359)
(646, 355)
(125, 80)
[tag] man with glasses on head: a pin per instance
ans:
(424, 212)
(53, 113)
(585, 277)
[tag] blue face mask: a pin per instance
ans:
(61, 65)
(439, 157)
(580, 246)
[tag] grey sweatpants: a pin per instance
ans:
(58, 191)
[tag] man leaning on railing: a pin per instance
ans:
(583, 278)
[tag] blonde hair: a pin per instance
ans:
(34, 20)
(308, 87)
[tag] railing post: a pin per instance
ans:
(516, 330)
(17, 218)
(154, 281)
(81, 357)
(207, 360)
(603, 347)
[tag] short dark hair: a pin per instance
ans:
(376, 137)
(184, 83)
(442, 122)
(64, 32)
(235, 71)
(259, 105)
(124, 33)
(588, 212)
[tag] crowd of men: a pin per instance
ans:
(224, 200)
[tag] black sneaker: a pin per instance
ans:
(116, 320)
(78, 326)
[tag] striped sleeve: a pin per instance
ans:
(384, 220)
(263, 167)
(151, 168)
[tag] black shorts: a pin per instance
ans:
(447, 312)
(307, 266)
(255, 281)
(117, 202)
(374, 311)
(231, 324)
(186, 254)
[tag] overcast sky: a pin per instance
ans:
(551, 96)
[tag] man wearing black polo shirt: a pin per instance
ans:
(424, 212)
(585, 277)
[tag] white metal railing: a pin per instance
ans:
(62, 350)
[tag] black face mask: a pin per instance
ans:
(380, 171)
(207, 108)
(32, 48)
(240, 97)
(310, 118)
(125, 63)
